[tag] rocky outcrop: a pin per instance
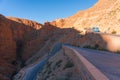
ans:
(60, 67)
(7, 49)
(71, 28)
(26, 22)
(13, 32)
(22, 39)
(104, 14)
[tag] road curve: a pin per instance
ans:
(107, 62)
(30, 72)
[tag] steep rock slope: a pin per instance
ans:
(104, 14)
(60, 67)
(13, 33)
(30, 23)
(7, 49)
(53, 35)
(22, 39)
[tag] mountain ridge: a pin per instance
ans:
(98, 15)
(23, 38)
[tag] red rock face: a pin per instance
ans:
(7, 49)
(20, 39)
(12, 42)
(26, 22)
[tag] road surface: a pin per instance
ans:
(108, 63)
(30, 72)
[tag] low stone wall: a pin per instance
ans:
(85, 75)
(87, 72)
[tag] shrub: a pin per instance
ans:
(114, 32)
(49, 71)
(69, 64)
(118, 51)
(91, 47)
(96, 46)
(59, 62)
(48, 64)
(102, 49)
(87, 46)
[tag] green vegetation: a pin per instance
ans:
(87, 46)
(118, 51)
(46, 73)
(49, 71)
(95, 47)
(48, 64)
(102, 49)
(69, 64)
(58, 63)
(113, 32)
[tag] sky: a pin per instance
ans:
(43, 10)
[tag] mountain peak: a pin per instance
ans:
(104, 14)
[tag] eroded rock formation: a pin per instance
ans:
(21, 39)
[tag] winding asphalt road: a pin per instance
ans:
(108, 63)
(30, 72)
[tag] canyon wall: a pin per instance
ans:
(13, 32)
(21, 39)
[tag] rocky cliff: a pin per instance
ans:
(7, 49)
(12, 42)
(104, 14)
(22, 39)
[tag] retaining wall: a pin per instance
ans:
(85, 69)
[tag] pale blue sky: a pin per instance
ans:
(43, 10)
